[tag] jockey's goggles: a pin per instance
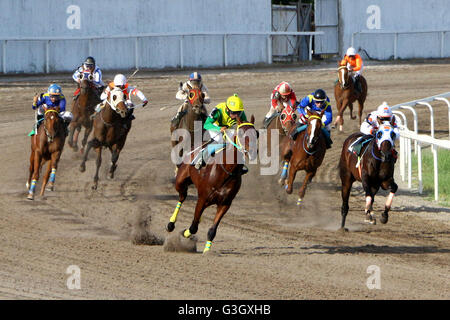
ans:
(235, 112)
(382, 119)
(319, 101)
(56, 96)
(88, 66)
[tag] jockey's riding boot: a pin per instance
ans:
(358, 84)
(202, 158)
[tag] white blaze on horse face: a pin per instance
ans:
(342, 71)
(311, 136)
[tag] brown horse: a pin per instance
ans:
(193, 119)
(281, 124)
(345, 95)
(82, 109)
(219, 181)
(375, 168)
(46, 145)
(111, 127)
(306, 152)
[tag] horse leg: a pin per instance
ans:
(87, 131)
(46, 177)
(338, 107)
(54, 166)
(98, 163)
(284, 172)
(30, 170)
(350, 107)
(345, 103)
(301, 194)
(93, 143)
(71, 131)
(393, 189)
(370, 218)
(360, 110)
(221, 210)
(291, 178)
(199, 208)
(181, 185)
(115, 151)
(35, 177)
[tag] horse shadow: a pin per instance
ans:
(370, 248)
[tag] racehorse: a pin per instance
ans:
(282, 124)
(192, 114)
(345, 95)
(46, 145)
(219, 181)
(82, 109)
(111, 127)
(306, 153)
(374, 168)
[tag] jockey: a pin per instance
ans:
(195, 81)
(223, 116)
(52, 99)
(354, 63)
(371, 124)
(89, 66)
(281, 96)
(317, 101)
(120, 81)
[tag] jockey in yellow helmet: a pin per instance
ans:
(223, 116)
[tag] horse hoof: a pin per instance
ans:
(30, 197)
(82, 168)
(170, 226)
(384, 218)
(50, 188)
(282, 182)
(94, 187)
(342, 230)
(288, 190)
(370, 219)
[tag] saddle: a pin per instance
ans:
(299, 128)
(356, 146)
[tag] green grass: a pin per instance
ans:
(428, 174)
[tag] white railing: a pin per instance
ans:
(407, 136)
(397, 33)
(181, 36)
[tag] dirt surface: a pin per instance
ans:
(265, 248)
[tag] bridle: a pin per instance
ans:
(49, 137)
(344, 85)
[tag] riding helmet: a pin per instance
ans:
(90, 61)
(235, 104)
(285, 89)
(319, 95)
(54, 90)
(195, 76)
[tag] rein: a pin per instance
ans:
(238, 146)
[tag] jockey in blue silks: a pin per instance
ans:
(316, 101)
(53, 98)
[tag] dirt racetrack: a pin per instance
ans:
(265, 248)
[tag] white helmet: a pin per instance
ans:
(120, 80)
(284, 89)
(351, 51)
(384, 112)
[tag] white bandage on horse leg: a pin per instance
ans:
(389, 200)
(368, 203)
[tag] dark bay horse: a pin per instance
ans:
(219, 181)
(375, 168)
(192, 115)
(46, 145)
(281, 124)
(82, 109)
(111, 127)
(345, 95)
(306, 153)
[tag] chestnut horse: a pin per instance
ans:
(375, 168)
(345, 95)
(282, 124)
(193, 114)
(46, 145)
(219, 181)
(82, 109)
(306, 153)
(111, 127)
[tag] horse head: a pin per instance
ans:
(52, 123)
(288, 118)
(86, 80)
(314, 127)
(384, 139)
(196, 98)
(246, 138)
(343, 76)
(117, 102)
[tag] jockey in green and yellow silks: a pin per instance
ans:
(222, 117)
